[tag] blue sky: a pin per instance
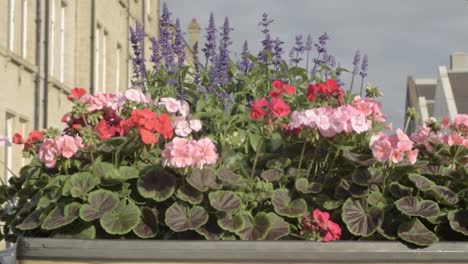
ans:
(401, 37)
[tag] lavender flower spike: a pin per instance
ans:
(179, 47)
(137, 38)
(277, 52)
(363, 71)
(165, 39)
(155, 55)
(196, 65)
(320, 46)
(219, 74)
(210, 43)
(357, 59)
(267, 43)
(244, 65)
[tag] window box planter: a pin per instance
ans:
(73, 251)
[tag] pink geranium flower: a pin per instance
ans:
(48, 153)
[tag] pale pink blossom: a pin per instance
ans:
(68, 146)
(184, 109)
(397, 156)
(382, 150)
(182, 128)
(195, 125)
(48, 153)
(208, 150)
(394, 147)
(445, 122)
(182, 153)
(4, 141)
(412, 155)
(98, 101)
(360, 124)
(136, 95)
(172, 105)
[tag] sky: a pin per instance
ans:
(401, 37)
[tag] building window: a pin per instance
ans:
(62, 42)
(104, 61)
(148, 7)
(11, 23)
(24, 44)
(96, 58)
(52, 37)
(117, 68)
(9, 149)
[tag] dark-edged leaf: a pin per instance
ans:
(359, 159)
(211, 230)
(179, 217)
(254, 228)
(285, 206)
(361, 176)
(33, 220)
(332, 204)
(421, 182)
(377, 175)
(360, 219)
(279, 228)
(203, 179)
(225, 201)
(100, 202)
(293, 172)
(108, 174)
(189, 194)
(303, 186)
(80, 184)
(228, 176)
(342, 189)
(411, 206)
(272, 175)
(156, 183)
(61, 216)
(398, 191)
(358, 191)
(128, 172)
(389, 227)
(148, 225)
(122, 219)
(416, 233)
(77, 231)
(376, 199)
(230, 222)
(444, 195)
(459, 221)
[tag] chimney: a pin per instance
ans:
(459, 61)
(193, 32)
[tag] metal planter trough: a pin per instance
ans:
(75, 251)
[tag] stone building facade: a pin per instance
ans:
(48, 47)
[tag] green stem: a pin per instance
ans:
(332, 162)
(302, 156)
(309, 169)
(9, 199)
(407, 124)
(259, 146)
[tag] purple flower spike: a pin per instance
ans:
(277, 52)
(179, 47)
(357, 59)
(219, 74)
(155, 55)
(210, 44)
(363, 71)
(137, 38)
(196, 65)
(244, 65)
(267, 43)
(165, 39)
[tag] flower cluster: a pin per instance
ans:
(331, 121)
(318, 226)
(33, 137)
(394, 147)
(325, 91)
(370, 108)
(148, 123)
(183, 153)
(275, 106)
(61, 146)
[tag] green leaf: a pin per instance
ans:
(360, 219)
(148, 225)
(230, 222)
(272, 175)
(100, 202)
(303, 186)
(398, 191)
(203, 180)
(227, 176)
(225, 201)
(61, 216)
(359, 159)
(189, 194)
(108, 174)
(77, 231)
(279, 163)
(411, 206)
(122, 219)
(279, 228)
(444, 195)
(458, 220)
(128, 173)
(180, 217)
(156, 183)
(275, 142)
(283, 204)
(33, 220)
(255, 141)
(421, 182)
(361, 176)
(255, 228)
(80, 184)
(416, 233)
(376, 199)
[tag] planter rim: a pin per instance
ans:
(237, 251)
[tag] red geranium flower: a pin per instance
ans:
(319, 226)
(32, 138)
(148, 123)
(76, 93)
(281, 88)
(279, 108)
(17, 139)
(258, 108)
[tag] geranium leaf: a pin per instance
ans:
(272, 175)
(128, 172)
(415, 232)
(77, 231)
(108, 174)
(255, 228)
(458, 220)
(376, 199)
(100, 202)
(179, 217)
(444, 195)
(148, 225)
(303, 186)
(203, 180)
(189, 194)
(279, 228)
(361, 176)
(411, 206)
(211, 230)
(122, 219)
(283, 204)
(358, 191)
(230, 222)
(156, 183)
(225, 201)
(398, 191)
(421, 182)
(33, 220)
(61, 216)
(360, 219)
(359, 159)
(228, 176)
(279, 163)
(80, 184)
